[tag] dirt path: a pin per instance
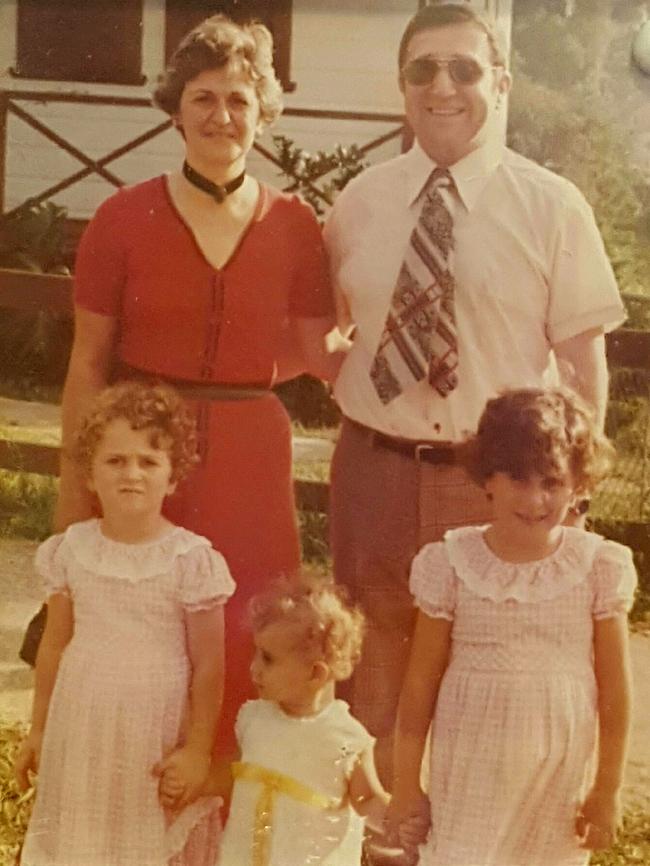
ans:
(637, 776)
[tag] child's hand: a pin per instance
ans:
(183, 775)
(28, 758)
(170, 789)
(598, 819)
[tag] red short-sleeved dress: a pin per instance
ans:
(182, 318)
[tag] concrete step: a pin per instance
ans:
(16, 705)
(15, 675)
(10, 643)
(311, 449)
(14, 617)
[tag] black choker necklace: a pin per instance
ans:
(216, 190)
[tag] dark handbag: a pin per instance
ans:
(33, 635)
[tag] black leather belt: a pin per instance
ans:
(440, 453)
(194, 390)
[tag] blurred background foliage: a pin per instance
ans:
(581, 108)
(34, 347)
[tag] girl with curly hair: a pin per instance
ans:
(305, 778)
(130, 668)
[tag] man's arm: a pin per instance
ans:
(582, 365)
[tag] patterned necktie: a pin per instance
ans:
(419, 338)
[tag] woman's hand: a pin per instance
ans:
(598, 819)
(183, 775)
(28, 758)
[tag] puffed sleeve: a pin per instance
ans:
(243, 720)
(310, 293)
(100, 267)
(205, 579)
(433, 582)
(360, 738)
(51, 562)
(614, 580)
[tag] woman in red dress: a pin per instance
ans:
(216, 283)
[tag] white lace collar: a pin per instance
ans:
(104, 556)
(490, 577)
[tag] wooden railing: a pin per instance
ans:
(10, 105)
(33, 292)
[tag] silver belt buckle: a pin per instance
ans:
(421, 448)
(441, 454)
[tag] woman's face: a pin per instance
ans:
(219, 115)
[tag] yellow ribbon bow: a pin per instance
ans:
(273, 784)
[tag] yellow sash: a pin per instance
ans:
(273, 784)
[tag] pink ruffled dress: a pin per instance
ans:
(120, 700)
(514, 732)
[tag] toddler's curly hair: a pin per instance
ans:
(329, 627)
(543, 430)
(156, 408)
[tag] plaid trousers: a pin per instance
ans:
(383, 507)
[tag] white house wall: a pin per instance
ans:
(343, 59)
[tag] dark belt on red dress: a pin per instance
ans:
(194, 390)
(439, 453)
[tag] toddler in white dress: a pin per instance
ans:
(306, 778)
(130, 669)
(520, 654)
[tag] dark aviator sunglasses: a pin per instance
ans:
(462, 70)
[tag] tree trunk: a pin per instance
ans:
(594, 20)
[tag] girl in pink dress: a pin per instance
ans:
(130, 669)
(520, 656)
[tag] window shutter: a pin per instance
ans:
(80, 40)
(183, 15)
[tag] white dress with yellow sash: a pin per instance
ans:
(289, 804)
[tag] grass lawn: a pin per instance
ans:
(633, 846)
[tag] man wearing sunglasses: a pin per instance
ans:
(511, 255)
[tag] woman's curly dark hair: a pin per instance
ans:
(213, 44)
(543, 430)
(157, 408)
(329, 628)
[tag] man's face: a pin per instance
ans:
(450, 119)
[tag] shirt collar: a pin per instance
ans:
(470, 174)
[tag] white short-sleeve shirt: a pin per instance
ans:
(530, 271)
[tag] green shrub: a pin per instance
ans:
(320, 176)
(556, 130)
(34, 347)
(638, 310)
(26, 504)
